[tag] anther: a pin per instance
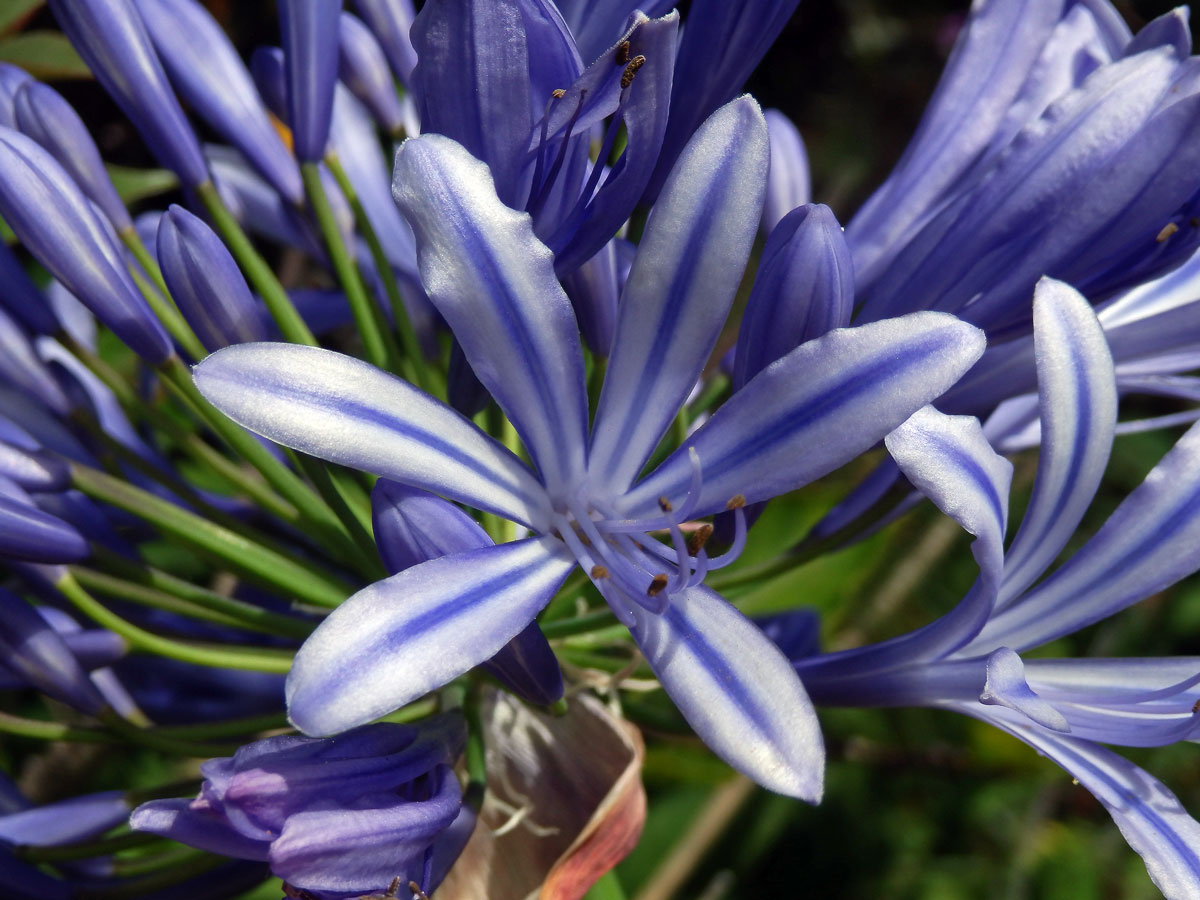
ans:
(664, 504)
(417, 892)
(630, 70)
(736, 502)
(1196, 707)
(622, 56)
(558, 93)
(657, 584)
(599, 572)
(698, 538)
(1167, 230)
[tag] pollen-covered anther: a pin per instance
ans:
(736, 502)
(664, 504)
(1196, 707)
(1167, 230)
(630, 70)
(657, 584)
(622, 54)
(558, 93)
(599, 572)
(698, 538)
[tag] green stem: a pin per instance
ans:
(226, 728)
(165, 870)
(168, 313)
(86, 849)
(41, 730)
(413, 367)
(131, 239)
(221, 656)
(593, 621)
(360, 537)
(713, 389)
(215, 607)
(291, 325)
(380, 349)
(253, 560)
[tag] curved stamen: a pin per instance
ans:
(619, 565)
(543, 191)
(737, 504)
(599, 574)
(655, 523)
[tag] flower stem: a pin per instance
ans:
(380, 349)
(167, 313)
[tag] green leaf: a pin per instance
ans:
(134, 184)
(47, 55)
(14, 14)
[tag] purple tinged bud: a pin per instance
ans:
(34, 470)
(788, 180)
(310, 52)
(210, 76)
(50, 120)
(266, 68)
(65, 822)
(803, 289)
(33, 650)
(21, 367)
(57, 224)
(21, 297)
(391, 20)
(112, 40)
(206, 283)
(12, 78)
(30, 535)
(364, 69)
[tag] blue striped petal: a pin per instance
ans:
(344, 410)
(687, 270)
(402, 637)
(814, 410)
(737, 690)
(494, 283)
(788, 180)
(309, 29)
(1078, 400)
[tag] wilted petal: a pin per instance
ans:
(310, 49)
(684, 278)
(208, 73)
(737, 691)
(788, 181)
(112, 40)
(1078, 402)
(814, 410)
(1006, 686)
(404, 636)
(804, 287)
(494, 283)
(342, 409)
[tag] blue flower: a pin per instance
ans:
(969, 661)
(335, 817)
(495, 285)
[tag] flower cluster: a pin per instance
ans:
(462, 381)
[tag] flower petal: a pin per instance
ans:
(737, 691)
(196, 825)
(687, 270)
(346, 411)
(494, 283)
(817, 408)
(404, 636)
(1006, 686)
(1078, 399)
(788, 181)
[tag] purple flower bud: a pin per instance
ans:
(38, 655)
(112, 40)
(34, 470)
(345, 814)
(788, 178)
(310, 50)
(205, 282)
(11, 80)
(21, 367)
(21, 298)
(391, 21)
(28, 534)
(56, 223)
(208, 73)
(364, 69)
(49, 119)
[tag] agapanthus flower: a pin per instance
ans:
(969, 661)
(335, 817)
(581, 497)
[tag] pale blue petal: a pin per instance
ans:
(736, 690)
(814, 410)
(1078, 400)
(1006, 686)
(341, 409)
(402, 637)
(687, 270)
(788, 180)
(494, 283)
